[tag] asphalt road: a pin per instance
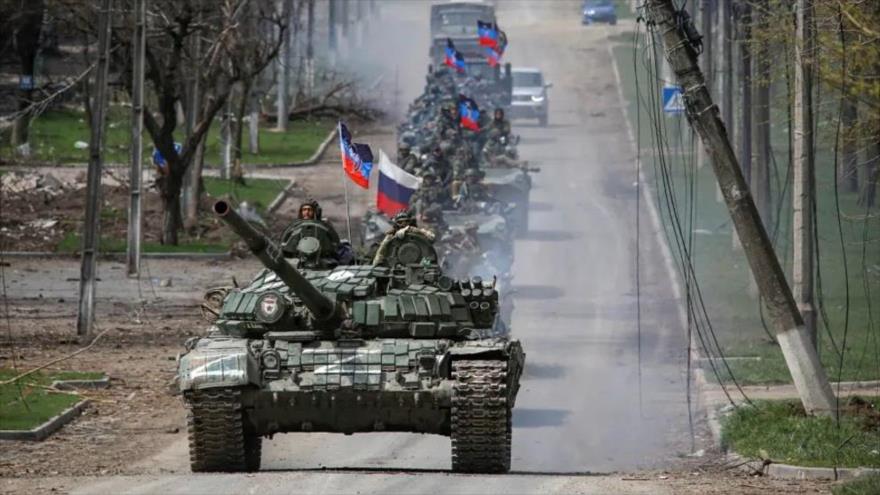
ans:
(597, 396)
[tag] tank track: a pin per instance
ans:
(480, 423)
(220, 439)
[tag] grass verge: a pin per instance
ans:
(258, 192)
(27, 403)
(54, 135)
(849, 262)
(781, 432)
(863, 485)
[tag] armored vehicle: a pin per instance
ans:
(391, 346)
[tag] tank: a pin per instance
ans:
(394, 346)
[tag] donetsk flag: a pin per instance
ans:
(488, 33)
(493, 57)
(396, 186)
(449, 59)
(469, 113)
(357, 159)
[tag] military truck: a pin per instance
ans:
(458, 21)
(394, 346)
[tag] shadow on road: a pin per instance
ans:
(536, 418)
(398, 470)
(543, 371)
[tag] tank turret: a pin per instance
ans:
(322, 308)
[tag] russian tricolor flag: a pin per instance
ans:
(469, 113)
(488, 33)
(396, 186)
(357, 159)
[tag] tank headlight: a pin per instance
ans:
(537, 98)
(271, 360)
(270, 307)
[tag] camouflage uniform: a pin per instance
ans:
(431, 193)
(407, 160)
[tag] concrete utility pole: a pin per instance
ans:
(135, 221)
(726, 72)
(707, 13)
(800, 356)
(310, 47)
(333, 6)
(283, 81)
(760, 179)
(804, 168)
(91, 228)
(193, 174)
(226, 139)
(744, 38)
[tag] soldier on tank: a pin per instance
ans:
(473, 189)
(406, 159)
(403, 226)
(430, 193)
(438, 162)
(431, 218)
(499, 126)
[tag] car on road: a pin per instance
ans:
(599, 11)
(530, 99)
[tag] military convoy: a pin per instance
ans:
(412, 337)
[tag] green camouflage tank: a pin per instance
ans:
(349, 349)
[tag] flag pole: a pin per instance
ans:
(347, 207)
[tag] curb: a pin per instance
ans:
(316, 156)
(282, 197)
(80, 384)
(118, 256)
(44, 430)
(766, 467)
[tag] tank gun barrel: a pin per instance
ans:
(322, 308)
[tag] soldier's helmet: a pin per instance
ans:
(403, 219)
(309, 209)
(428, 173)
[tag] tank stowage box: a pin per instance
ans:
(348, 349)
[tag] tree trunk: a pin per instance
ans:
(238, 130)
(27, 40)
(849, 154)
(171, 201)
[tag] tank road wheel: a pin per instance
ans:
(219, 437)
(480, 420)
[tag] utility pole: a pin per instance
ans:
(193, 174)
(135, 221)
(744, 38)
(226, 139)
(91, 229)
(283, 62)
(726, 15)
(760, 179)
(331, 28)
(310, 47)
(804, 168)
(706, 15)
(794, 341)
